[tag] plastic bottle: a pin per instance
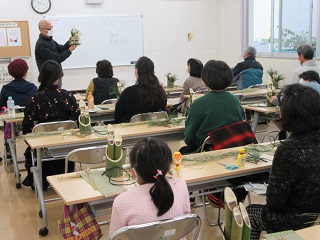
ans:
(241, 159)
(90, 101)
(10, 106)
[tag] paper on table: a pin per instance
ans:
(284, 235)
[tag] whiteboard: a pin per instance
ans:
(118, 39)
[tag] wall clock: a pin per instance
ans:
(41, 6)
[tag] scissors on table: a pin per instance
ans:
(229, 166)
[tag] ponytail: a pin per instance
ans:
(162, 195)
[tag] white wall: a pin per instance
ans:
(216, 25)
(165, 27)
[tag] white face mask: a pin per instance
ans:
(301, 80)
(50, 33)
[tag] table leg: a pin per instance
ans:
(255, 121)
(37, 178)
(12, 146)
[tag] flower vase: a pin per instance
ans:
(170, 84)
(114, 166)
(114, 156)
(85, 124)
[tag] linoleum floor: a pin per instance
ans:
(19, 217)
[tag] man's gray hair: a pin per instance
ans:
(251, 51)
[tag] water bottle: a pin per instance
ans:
(90, 101)
(10, 106)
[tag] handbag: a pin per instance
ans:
(80, 225)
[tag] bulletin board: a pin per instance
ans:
(118, 39)
(14, 39)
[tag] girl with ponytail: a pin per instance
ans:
(157, 197)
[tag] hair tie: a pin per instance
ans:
(159, 172)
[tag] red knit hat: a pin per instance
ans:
(18, 68)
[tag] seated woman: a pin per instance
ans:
(105, 85)
(157, 197)
(50, 104)
(293, 193)
(147, 95)
(215, 109)
(194, 68)
(19, 88)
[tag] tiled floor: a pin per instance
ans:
(19, 208)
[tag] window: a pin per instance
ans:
(277, 27)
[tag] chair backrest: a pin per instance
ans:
(110, 101)
(173, 229)
(234, 135)
(149, 116)
(54, 126)
(249, 77)
(204, 91)
(87, 155)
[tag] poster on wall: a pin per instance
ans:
(14, 37)
(5, 77)
(3, 37)
(4, 74)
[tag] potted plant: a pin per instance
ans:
(275, 77)
(171, 78)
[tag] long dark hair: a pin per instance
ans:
(148, 157)
(50, 72)
(148, 84)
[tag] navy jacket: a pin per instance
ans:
(48, 49)
(20, 90)
(249, 62)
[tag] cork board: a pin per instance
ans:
(14, 39)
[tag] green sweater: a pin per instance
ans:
(213, 110)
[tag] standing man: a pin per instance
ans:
(48, 49)
(305, 57)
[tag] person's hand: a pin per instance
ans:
(271, 100)
(73, 47)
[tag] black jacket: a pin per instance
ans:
(104, 89)
(48, 49)
(20, 90)
(249, 62)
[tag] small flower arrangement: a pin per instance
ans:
(75, 37)
(275, 77)
(171, 78)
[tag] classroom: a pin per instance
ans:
(169, 32)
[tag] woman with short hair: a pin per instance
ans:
(293, 193)
(215, 109)
(105, 85)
